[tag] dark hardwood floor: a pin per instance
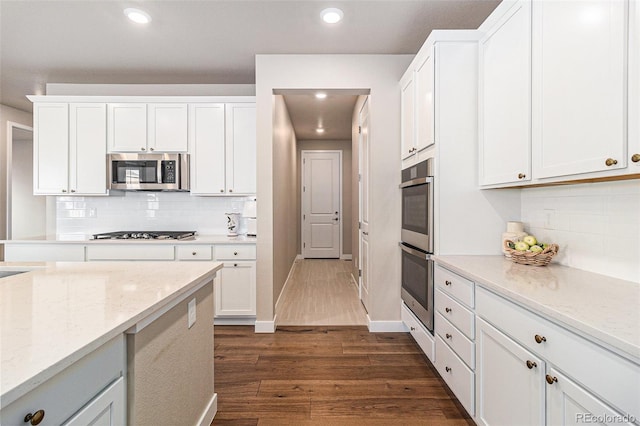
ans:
(328, 376)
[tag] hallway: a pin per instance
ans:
(320, 292)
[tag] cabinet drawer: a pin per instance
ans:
(44, 253)
(461, 317)
(423, 338)
(456, 374)
(455, 285)
(457, 341)
(64, 394)
(198, 252)
(614, 378)
(134, 251)
(231, 252)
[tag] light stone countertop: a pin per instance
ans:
(61, 311)
(86, 239)
(597, 306)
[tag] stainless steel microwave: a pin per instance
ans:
(149, 172)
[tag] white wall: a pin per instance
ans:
(380, 74)
(80, 217)
(28, 219)
(596, 225)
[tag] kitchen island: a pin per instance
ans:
(131, 330)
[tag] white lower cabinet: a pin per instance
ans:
(90, 391)
(456, 374)
(45, 252)
(537, 372)
(235, 289)
(130, 252)
(420, 334)
(510, 381)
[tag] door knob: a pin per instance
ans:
(521, 176)
(539, 338)
(336, 219)
(551, 379)
(611, 162)
(635, 158)
(531, 364)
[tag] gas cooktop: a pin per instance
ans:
(146, 235)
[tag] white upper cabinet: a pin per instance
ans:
(87, 148)
(140, 127)
(241, 148)
(69, 149)
(424, 104)
(51, 148)
(505, 99)
(579, 86)
(222, 143)
(127, 130)
(167, 127)
(207, 139)
(407, 115)
(634, 87)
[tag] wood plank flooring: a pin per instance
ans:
(328, 376)
(320, 292)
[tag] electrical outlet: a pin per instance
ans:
(192, 312)
(549, 219)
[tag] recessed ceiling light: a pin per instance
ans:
(138, 16)
(321, 95)
(319, 130)
(332, 15)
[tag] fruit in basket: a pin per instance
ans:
(535, 248)
(522, 246)
(530, 240)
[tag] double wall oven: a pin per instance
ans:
(417, 240)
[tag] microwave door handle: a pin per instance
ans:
(430, 214)
(159, 172)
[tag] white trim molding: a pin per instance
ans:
(385, 326)
(210, 411)
(346, 257)
(266, 326)
(293, 267)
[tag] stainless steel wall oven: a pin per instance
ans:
(417, 240)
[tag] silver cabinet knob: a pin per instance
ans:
(151, 149)
(143, 149)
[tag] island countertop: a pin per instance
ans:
(59, 312)
(598, 306)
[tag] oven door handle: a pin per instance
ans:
(414, 252)
(414, 182)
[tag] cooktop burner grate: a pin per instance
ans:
(146, 235)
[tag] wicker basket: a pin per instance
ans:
(541, 258)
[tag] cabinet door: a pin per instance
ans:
(87, 149)
(579, 86)
(235, 289)
(424, 104)
(570, 404)
(407, 116)
(505, 99)
(510, 380)
(634, 87)
(127, 127)
(106, 409)
(241, 148)
(167, 127)
(206, 145)
(51, 148)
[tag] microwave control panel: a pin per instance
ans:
(168, 171)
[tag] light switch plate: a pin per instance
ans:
(192, 312)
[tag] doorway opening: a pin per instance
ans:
(319, 138)
(26, 213)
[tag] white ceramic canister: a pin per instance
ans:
(232, 224)
(515, 232)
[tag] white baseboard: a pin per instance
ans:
(299, 257)
(346, 257)
(353, 280)
(210, 412)
(385, 326)
(266, 326)
(293, 267)
(234, 321)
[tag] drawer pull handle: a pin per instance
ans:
(34, 418)
(142, 149)
(551, 380)
(235, 265)
(413, 329)
(635, 158)
(235, 253)
(448, 336)
(448, 369)
(222, 190)
(193, 253)
(611, 162)
(447, 283)
(447, 309)
(540, 339)
(521, 176)
(531, 364)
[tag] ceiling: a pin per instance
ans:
(201, 41)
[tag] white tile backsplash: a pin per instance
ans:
(597, 225)
(144, 211)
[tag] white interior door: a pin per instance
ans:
(321, 214)
(364, 204)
